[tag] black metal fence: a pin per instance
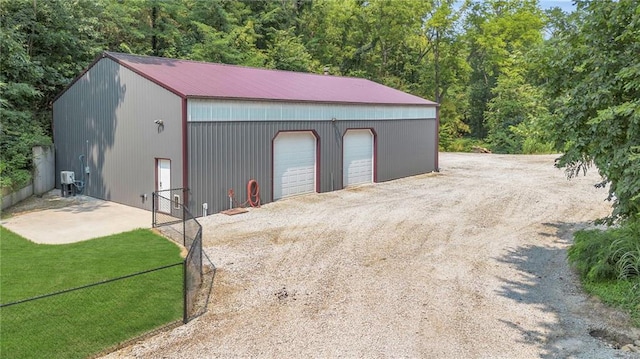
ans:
(103, 314)
(82, 321)
(167, 206)
(175, 221)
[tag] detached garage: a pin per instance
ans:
(130, 125)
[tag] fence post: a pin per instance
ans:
(185, 314)
(153, 209)
(185, 196)
(201, 252)
(184, 227)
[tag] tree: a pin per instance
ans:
(443, 69)
(497, 30)
(336, 34)
(516, 113)
(287, 52)
(43, 45)
(125, 27)
(594, 78)
(379, 40)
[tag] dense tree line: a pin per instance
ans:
(508, 75)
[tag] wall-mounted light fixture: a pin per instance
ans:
(160, 124)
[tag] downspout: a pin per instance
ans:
(375, 154)
(437, 153)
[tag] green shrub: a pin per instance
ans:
(463, 144)
(534, 146)
(627, 252)
(591, 253)
(609, 266)
(19, 132)
(605, 255)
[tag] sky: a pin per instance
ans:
(565, 5)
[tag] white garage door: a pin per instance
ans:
(294, 164)
(357, 164)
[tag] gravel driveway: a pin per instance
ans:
(465, 263)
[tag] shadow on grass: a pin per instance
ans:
(548, 284)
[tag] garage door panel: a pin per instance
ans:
(357, 157)
(294, 164)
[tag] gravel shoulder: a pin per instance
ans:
(469, 262)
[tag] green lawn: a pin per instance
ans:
(608, 263)
(81, 323)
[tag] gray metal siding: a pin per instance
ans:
(108, 116)
(224, 155)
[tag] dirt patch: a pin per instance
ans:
(616, 340)
(467, 263)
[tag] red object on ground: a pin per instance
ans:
(253, 193)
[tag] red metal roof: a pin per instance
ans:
(209, 80)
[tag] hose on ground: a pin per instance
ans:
(253, 193)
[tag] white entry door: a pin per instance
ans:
(357, 161)
(163, 181)
(294, 164)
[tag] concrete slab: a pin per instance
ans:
(84, 218)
